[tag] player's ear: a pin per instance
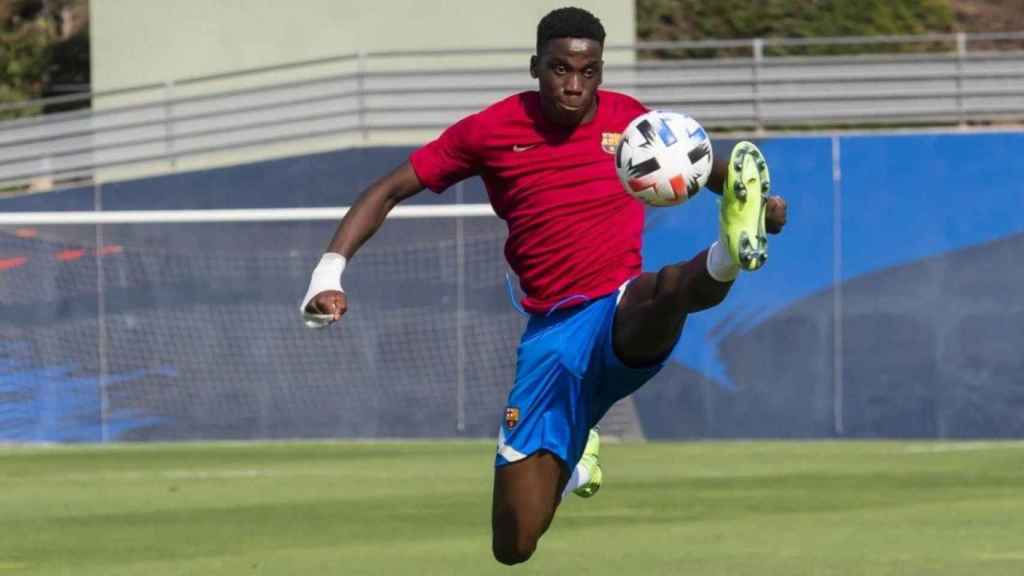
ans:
(533, 66)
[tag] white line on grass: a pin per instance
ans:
(962, 447)
(192, 474)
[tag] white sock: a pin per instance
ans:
(580, 476)
(720, 265)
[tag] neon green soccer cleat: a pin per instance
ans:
(589, 461)
(741, 215)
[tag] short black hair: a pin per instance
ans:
(569, 22)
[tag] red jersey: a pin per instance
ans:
(573, 233)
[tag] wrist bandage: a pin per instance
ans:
(326, 276)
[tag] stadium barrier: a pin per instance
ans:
(369, 98)
(886, 309)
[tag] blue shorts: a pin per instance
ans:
(567, 377)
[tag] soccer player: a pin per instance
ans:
(599, 327)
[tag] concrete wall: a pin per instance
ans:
(142, 41)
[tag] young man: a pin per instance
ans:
(599, 328)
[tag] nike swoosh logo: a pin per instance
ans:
(518, 148)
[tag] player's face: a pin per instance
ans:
(569, 72)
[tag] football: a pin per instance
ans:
(663, 158)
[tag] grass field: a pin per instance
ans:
(758, 508)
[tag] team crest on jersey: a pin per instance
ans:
(609, 141)
(511, 416)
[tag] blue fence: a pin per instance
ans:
(887, 308)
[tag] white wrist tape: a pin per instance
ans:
(326, 276)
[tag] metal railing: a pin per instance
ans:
(362, 96)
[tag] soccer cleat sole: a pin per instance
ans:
(744, 203)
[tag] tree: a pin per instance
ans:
(44, 51)
(704, 19)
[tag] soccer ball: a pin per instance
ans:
(663, 158)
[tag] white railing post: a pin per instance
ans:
(961, 57)
(47, 178)
(361, 57)
(169, 145)
(757, 49)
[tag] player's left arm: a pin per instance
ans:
(775, 213)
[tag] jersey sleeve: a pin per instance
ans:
(452, 157)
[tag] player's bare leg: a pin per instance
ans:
(526, 494)
(652, 312)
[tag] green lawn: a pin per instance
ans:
(423, 508)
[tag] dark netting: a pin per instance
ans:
(180, 331)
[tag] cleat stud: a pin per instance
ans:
(738, 162)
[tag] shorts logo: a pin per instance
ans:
(609, 141)
(511, 417)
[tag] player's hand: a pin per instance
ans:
(329, 305)
(325, 301)
(775, 214)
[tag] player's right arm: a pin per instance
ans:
(325, 301)
(453, 156)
